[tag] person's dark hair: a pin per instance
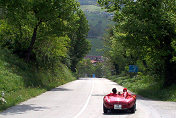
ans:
(114, 90)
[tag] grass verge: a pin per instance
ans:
(20, 81)
(147, 86)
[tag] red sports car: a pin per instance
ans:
(120, 101)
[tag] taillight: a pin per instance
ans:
(106, 99)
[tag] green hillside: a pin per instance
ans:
(87, 2)
(91, 8)
(97, 45)
(20, 81)
(99, 21)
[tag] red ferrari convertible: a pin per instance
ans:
(120, 101)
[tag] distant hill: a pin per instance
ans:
(87, 2)
(99, 20)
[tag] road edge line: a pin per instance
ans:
(87, 102)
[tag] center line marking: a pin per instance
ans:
(87, 102)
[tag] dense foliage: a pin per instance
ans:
(144, 35)
(40, 42)
(97, 46)
(44, 32)
(80, 46)
(146, 86)
(87, 69)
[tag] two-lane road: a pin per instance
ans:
(83, 98)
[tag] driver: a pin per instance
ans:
(114, 92)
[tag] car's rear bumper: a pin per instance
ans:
(124, 106)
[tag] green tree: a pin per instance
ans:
(80, 46)
(45, 31)
(147, 33)
(33, 20)
(85, 67)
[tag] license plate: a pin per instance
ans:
(117, 106)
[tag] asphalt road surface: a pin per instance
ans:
(84, 99)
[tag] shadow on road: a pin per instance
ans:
(85, 78)
(117, 113)
(97, 95)
(20, 109)
(61, 89)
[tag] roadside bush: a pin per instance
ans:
(20, 81)
(147, 86)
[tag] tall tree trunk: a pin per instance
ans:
(117, 71)
(34, 36)
(145, 63)
(169, 65)
(73, 66)
(169, 72)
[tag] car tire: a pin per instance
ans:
(105, 110)
(133, 109)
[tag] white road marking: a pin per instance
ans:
(87, 102)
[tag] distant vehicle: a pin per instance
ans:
(119, 102)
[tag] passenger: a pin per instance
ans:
(125, 90)
(125, 93)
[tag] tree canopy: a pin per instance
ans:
(145, 33)
(42, 31)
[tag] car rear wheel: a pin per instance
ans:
(105, 110)
(133, 109)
